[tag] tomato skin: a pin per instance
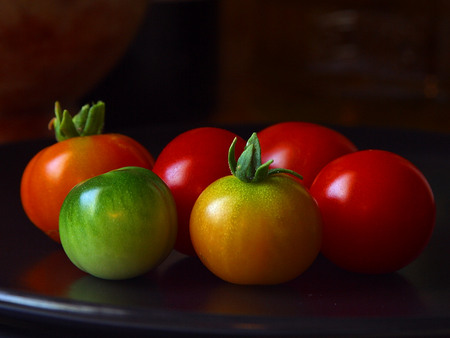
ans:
(378, 211)
(302, 147)
(256, 233)
(56, 169)
(188, 164)
(120, 224)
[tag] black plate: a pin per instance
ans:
(42, 293)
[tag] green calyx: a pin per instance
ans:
(248, 167)
(88, 121)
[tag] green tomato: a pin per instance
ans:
(120, 224)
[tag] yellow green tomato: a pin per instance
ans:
(257, 226)
(120, 224)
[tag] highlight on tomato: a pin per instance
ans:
(302, 147)
(378, 211)
(81, 152)
(120, 224)
(258, 225)
(188, 164)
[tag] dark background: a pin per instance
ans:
(353, 63)
(169, 74)
(346, 63)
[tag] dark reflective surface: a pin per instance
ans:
(39, 285)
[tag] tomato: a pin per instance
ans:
(378, 211)
(119, 224)
(256, 226)
(303, 147)
(188, 164)
(56, 169)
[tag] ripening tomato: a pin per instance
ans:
(120, 224)
(302, 147)
(56, 169)
(256, 226)
(188, 164)
(378, 211)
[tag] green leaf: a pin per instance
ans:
(245, 167)
(95, 120)
(262, 172)
(67, 128)
(88, 121)
(79, 120)
(248, 167)
(256, 154)
(232, 157)
(284, 171)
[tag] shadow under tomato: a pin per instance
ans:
(55, 275)
(136, 292)
(331, 291)
(323, 290)
(185, 284)
(189, 285)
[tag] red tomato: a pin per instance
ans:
(302, 147)
(378, 211)
(188, 164)
(55, 170)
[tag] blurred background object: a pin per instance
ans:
(353, 63)
(342, 62)
(57, 50)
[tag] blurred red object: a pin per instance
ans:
(57, 50)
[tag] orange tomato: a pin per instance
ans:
(55, 170)
(263, 229)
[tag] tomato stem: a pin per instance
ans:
(88, 121)
(248, 168)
